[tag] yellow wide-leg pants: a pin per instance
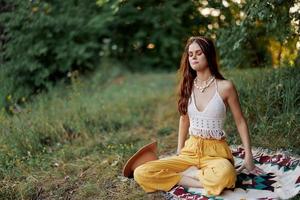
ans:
(212, 156)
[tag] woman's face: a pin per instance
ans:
(197, 58)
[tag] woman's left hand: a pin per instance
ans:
(249, 165)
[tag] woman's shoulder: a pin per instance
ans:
(225, 87)
(225, 84)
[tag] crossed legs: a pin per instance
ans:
(214, 174)
(164, 173)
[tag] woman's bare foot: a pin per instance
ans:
(190, 177)
(192, 172)
(189, 182)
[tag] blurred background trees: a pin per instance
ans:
(47, 42)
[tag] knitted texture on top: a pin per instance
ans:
(209, 122)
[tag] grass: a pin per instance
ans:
(72, 142)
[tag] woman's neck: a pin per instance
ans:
(203, 76)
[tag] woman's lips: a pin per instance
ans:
(194, 63)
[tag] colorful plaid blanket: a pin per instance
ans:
(282, 180)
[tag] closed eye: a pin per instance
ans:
(198, 52)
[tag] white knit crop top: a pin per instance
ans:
(208, 123)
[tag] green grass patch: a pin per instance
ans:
(73, 141)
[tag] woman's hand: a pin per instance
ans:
(249, 165)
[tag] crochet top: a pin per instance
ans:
(209, 122)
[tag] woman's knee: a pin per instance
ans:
(139, 171)
(227, 170)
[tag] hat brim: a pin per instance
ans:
(127, 169)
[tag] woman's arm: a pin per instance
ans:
(184, 123)
(232, 99)
(240, 121)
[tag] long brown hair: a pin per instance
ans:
(186, 74)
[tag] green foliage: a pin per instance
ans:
(48, 39)
(244, 41)
(150, 34)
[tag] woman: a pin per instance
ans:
(204, 159)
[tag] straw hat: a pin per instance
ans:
(143, 155)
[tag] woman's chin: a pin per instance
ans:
(199, 68)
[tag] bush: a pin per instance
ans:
(49, 39)
(46, 41)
